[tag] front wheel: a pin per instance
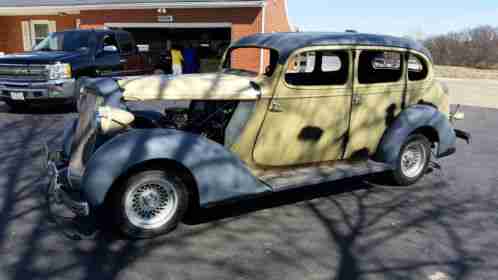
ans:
(413, 160)
(150, 203)
(17, 107)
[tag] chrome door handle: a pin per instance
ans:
(356, 99)
(123, 60)
(276, 107)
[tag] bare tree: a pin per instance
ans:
(476, 47)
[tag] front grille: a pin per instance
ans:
(84, 137)
(37, 73)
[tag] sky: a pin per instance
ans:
(393, 17)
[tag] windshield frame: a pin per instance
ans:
(46, 46)
(274, 53)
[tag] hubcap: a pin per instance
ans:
(413, 160)
(151, 205)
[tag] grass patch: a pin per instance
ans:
(457, 72)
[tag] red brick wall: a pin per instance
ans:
(276, 16)
(11, 32)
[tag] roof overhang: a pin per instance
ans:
(76, 9)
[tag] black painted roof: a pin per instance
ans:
(286, 43)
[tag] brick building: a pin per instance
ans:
(156, 24)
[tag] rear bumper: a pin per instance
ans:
(38, 91)
(451, 150)
(58, 190)
(463, 135)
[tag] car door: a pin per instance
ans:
(378, 92)
(308, 118)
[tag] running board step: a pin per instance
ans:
(312, 175)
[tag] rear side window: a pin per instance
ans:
(318, 68)
(417, 68)
(379, 67)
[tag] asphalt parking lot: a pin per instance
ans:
(445, 227)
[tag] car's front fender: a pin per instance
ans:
(411, 119)
(219, 174)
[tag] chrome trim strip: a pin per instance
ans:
(6, 83)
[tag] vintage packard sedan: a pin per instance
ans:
(327, 106)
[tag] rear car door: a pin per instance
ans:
(378, 92)
(308, 118)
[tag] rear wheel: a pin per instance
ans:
(413, 160)
(150, 203)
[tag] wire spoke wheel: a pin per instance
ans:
(151, 205)
(413, 159)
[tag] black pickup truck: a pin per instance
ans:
(53, 70)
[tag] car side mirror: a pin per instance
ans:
(110, 49)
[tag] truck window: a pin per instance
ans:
(126, 43)
(379, 67)
(109, 40)
(318, 68)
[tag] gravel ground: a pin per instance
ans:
(445, 227)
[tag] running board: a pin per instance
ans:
(313, 175)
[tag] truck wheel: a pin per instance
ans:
(17, 107)
(151, 203)
(413, 160)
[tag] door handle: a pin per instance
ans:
(276, 107)
(123, 60)
(356, 99)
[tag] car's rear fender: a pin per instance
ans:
(413, 118)
(219, 175)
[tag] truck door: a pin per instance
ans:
(130, 57)
(107, 57)
(308, 118)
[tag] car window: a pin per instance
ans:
(318, 68)
(379, 67)
(417, 68)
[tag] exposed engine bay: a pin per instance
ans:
(207, 118)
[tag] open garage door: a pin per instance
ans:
(207, 44)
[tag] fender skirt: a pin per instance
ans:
(411, 119)
(218, 173)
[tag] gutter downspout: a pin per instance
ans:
(263, 30)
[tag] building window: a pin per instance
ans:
(35, 31)
(40, 32)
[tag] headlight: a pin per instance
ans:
(59, 71)
(109, 120)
